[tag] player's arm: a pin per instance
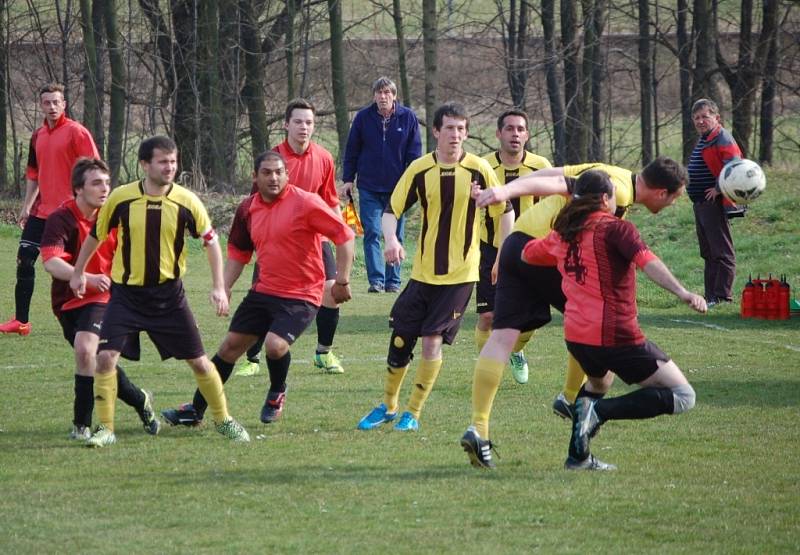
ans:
(62, 270)
(233, 269)
(393, 250)
(344, 264)
(658, 272)
(506, 224)
(77, 282)
(547, 181)
(218, 296)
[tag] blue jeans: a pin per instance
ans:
(370, 208)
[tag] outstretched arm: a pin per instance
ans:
(658, 272)
(547, 181)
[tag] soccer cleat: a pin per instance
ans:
(102, 437)
(376, 417)
(585, 424)
(589, 463)
(184, 415)
(479, 450)
(561, 407)
(15, 326)
(148, 416)
(80, 432)
(519, 367)
(231, 429)
(407, 423)
(273, 406)
(247, 368)
(328, 363)
(375, 288)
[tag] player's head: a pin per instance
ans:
(512, 131)
(451, 110)
(384, 93)
(51, 99)
(450, 129)
(660, 184)
(158, 157)
(91, 181)
(593, 192)
(705, 116)
(299, 120)
(270, 175)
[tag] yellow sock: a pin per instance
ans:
(574, 380)
(481, 337)
(485, 381)
(210, 385)
(105, 397)
(426, 376)
(392, 385)
(522, 340)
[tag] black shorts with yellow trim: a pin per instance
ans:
(632, 363)
(423, 309)
(260, 313)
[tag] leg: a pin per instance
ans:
(249, 366)
(717, 229)
(105, 394)
(327, 318)
(370, 208)
(85, 345)
(210, 385)
(232, 347)
(488, 374)
(426, 375)
(278, 361)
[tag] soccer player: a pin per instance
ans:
(54, 148)
(284, 225)
(445, 266)
(525, 293)
(509, 162)
(311, 168)
(80, 319)
(597, 256)
(152, 217)
(384, 139)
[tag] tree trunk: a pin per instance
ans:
(430, 50)
(90, 100)
(768, 93)
(397, 16)
(704, 25)
(116, 120)
(184, 104)
(338, 76)
(290, 49)
(592, 93)
(516, 38)
(3, 99)
(252, 93)
(576, 147)
(645, 82)
(685, 77)
(553, 85)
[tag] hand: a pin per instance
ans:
(394, 253)
(696, 302)
(220, 301)
(495, 268)
(347, 189)
(78, 284)
(341, 292)
(492, 195)
(98, 282)
(23, 216)
(711, 193)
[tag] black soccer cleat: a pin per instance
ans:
(184, 415)
(479, 450)
(589, 463)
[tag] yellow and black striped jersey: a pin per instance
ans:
(490, 230)
(151, 232)
(447, 247)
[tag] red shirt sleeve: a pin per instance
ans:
(328, 189)
(322, 219)
(240, 243)
(32, 167)
(541, 252)
(84, 143)
(624, 238)
(55, 237)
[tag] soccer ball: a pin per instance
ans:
(742, 181)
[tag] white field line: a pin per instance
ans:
(795, 348)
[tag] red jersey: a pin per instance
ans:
(286, 235)
(313, 171)
(51, 155)
(598, 279)
(64, 233)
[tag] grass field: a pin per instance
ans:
(722, 478)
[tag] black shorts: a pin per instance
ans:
(328, 260)
(88, 318)
(632, 363)
(524, 293)
(32, 232)
(423, 309)
(162, 311)
(259, 313)
(485, 291)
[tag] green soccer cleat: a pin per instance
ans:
(231, 429)
(152, 425)
(247, 368)
(519, 367)
(328, 363)
(102, 437)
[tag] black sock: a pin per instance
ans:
(278, 370)
(646, 402)
(254, 351)
(573, 450)
(584, 393)
(127, 392)
(84, 401)
(327, 320)
(23, 292)
(225, 369)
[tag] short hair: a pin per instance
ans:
(298, 104)
(83, 166)
(513, 112)
(705, 103)
(159, 142)
(52, 87)
(665, 173)
(452, 110)
(384, 83)
(268, 155)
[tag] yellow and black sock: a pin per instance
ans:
(485, 381)
(210, 385)
(427, 372)
(574, 380)
(522, 340)
(105, 397)
(392, 385)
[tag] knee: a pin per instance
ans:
(683, 397)
(83, 356)
(276, 347)
(485, 320)
(401, 350)
(26, 260)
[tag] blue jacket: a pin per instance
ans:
(380, 157)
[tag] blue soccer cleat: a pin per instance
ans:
(376, 417)
(407, 423)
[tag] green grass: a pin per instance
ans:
(720, 479)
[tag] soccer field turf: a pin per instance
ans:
(722, 478)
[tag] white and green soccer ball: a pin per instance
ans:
(742, 181)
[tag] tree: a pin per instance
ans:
(767, 111)
(337, 75)
(92, 119)
(116, 120)
(570, 43)
(515, 37)
(429, 47)
(3, 99)
(397, 16)
(252, 92)
(553, 84)
(645, 82)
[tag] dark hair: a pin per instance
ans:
(705, 103)
(295, 104)
(268, 155)
(82, 166)
(52, 87)
(159, 142)
(384, 83)
(513, 112)
(665, 173)
(449, 109)
(586, 199)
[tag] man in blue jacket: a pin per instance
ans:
(384, 139)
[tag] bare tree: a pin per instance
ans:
(3, 98)
(515, 38)
(645, 82)
(397, 16)
(430, 53)
(570, 43)
(116, 120)
(553, 84)
(768, 93)
(337, 75)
